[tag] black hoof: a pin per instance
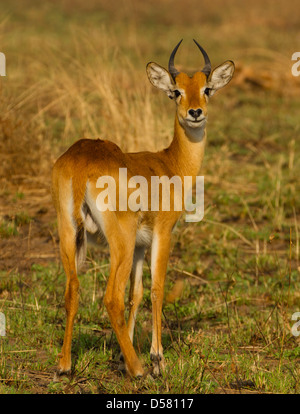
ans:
(156, 358)
(59, 373)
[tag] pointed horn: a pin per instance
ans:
(207, 67)
(172, 70)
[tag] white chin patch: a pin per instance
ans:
(194, 130)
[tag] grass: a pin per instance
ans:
(10, 225)
(78, 69)
(219, 336)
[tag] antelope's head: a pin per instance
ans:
(191, 94)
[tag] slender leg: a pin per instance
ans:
(159, 260)
(135, 293)
(121, 252)
(136, 288)
(68, 252)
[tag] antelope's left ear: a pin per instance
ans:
(220, 76)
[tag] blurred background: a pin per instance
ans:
(76, 69)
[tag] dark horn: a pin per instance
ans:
(207, 67)
(172, 70)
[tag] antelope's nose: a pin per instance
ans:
(195, 112)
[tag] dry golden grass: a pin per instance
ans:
(75, 78)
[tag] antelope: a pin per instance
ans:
(129, 233)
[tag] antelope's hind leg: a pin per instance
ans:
(135, 294)
(68, 253)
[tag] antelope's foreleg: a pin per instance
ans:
(159, 260)
(121, 238)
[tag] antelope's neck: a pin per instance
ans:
(186, 151)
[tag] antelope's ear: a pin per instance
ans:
(220, 76)
(160, 78)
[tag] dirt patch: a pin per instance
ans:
(27, 211)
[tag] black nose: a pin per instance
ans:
(195, 112)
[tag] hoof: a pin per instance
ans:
(138, 373)
(122, 365)
(59, 373)
(158, 363)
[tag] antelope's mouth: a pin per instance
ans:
(195, 122)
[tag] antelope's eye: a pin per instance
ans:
(177, 93)
(207, 91)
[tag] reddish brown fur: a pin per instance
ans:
(86, 161)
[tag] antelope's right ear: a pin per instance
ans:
(160, 78)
